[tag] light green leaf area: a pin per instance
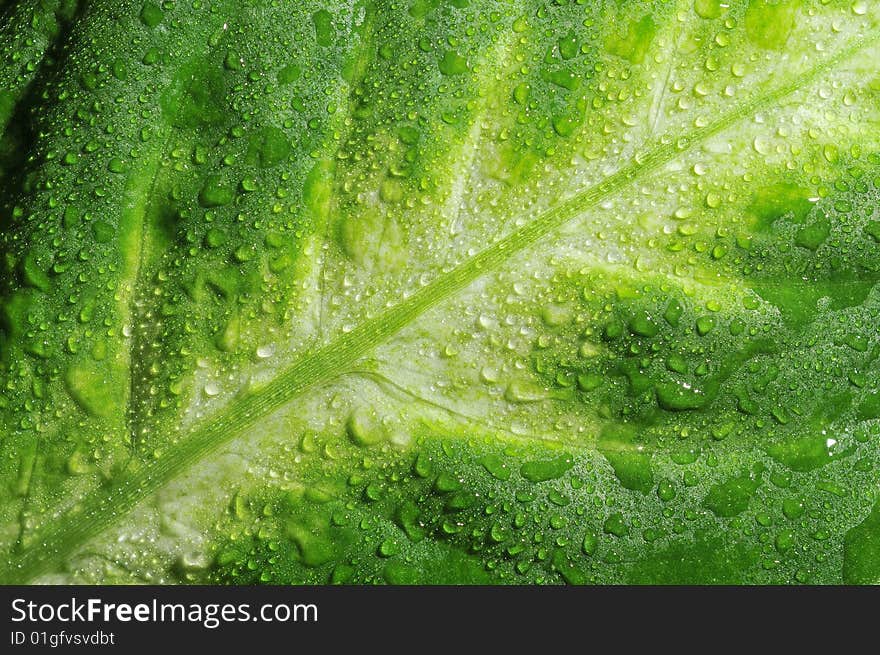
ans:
(440, 291)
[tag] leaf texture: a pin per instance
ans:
(439, 292)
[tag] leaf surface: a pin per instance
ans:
(441, 292)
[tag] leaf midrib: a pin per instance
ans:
(104, 506)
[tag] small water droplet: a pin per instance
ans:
(266, 351)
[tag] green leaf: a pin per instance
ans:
(465, 292)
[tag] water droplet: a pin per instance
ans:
(266, 351)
